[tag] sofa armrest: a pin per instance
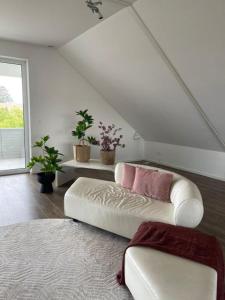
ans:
(187, 201)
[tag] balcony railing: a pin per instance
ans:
(12, 155)
(11, 143)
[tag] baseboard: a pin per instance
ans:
(14, 172)
(175, 166)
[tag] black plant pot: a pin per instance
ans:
(46, 180)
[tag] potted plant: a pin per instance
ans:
(109, 141)
(48, 162)
(82, 151)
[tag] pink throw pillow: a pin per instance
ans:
(160, 186)
(128, 176)
(142, 180)
(153, 184)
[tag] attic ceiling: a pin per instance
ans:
(192, 35)
(49, 22)
(126, 67)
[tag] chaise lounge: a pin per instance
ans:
(109, 206)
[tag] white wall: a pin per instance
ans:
(200, 161)
(56, 92)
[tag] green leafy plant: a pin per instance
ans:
(50, 158)
(82, 126)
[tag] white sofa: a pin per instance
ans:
(109, 206)
(155, 275)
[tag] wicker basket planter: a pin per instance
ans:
(82, 153)
(108, 157)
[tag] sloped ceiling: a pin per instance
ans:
(192, 35)
(122, 63)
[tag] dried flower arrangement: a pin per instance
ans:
(110, 138)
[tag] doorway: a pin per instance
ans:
(14, 116)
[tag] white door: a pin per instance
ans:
(14, 116)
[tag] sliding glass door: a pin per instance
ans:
(14, 127)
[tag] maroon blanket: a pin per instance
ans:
(180, 241)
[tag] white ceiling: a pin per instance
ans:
(49, 22)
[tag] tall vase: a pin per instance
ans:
(108, 157)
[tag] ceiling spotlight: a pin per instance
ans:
(94, 7)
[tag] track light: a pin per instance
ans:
(94, 7)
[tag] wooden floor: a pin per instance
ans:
(21, 201)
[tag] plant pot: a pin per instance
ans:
(108, 157)
(82, 153)
(46, 180)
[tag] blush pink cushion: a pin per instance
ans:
(128, 176)
(142, 180)
(160, 186)
(153, 184)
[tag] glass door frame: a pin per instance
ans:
(26, 111)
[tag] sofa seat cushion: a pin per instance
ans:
(114, 202)
(152, 274)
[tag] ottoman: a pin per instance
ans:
(154, 275)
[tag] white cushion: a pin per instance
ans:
(155, 275)
(109, 206)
